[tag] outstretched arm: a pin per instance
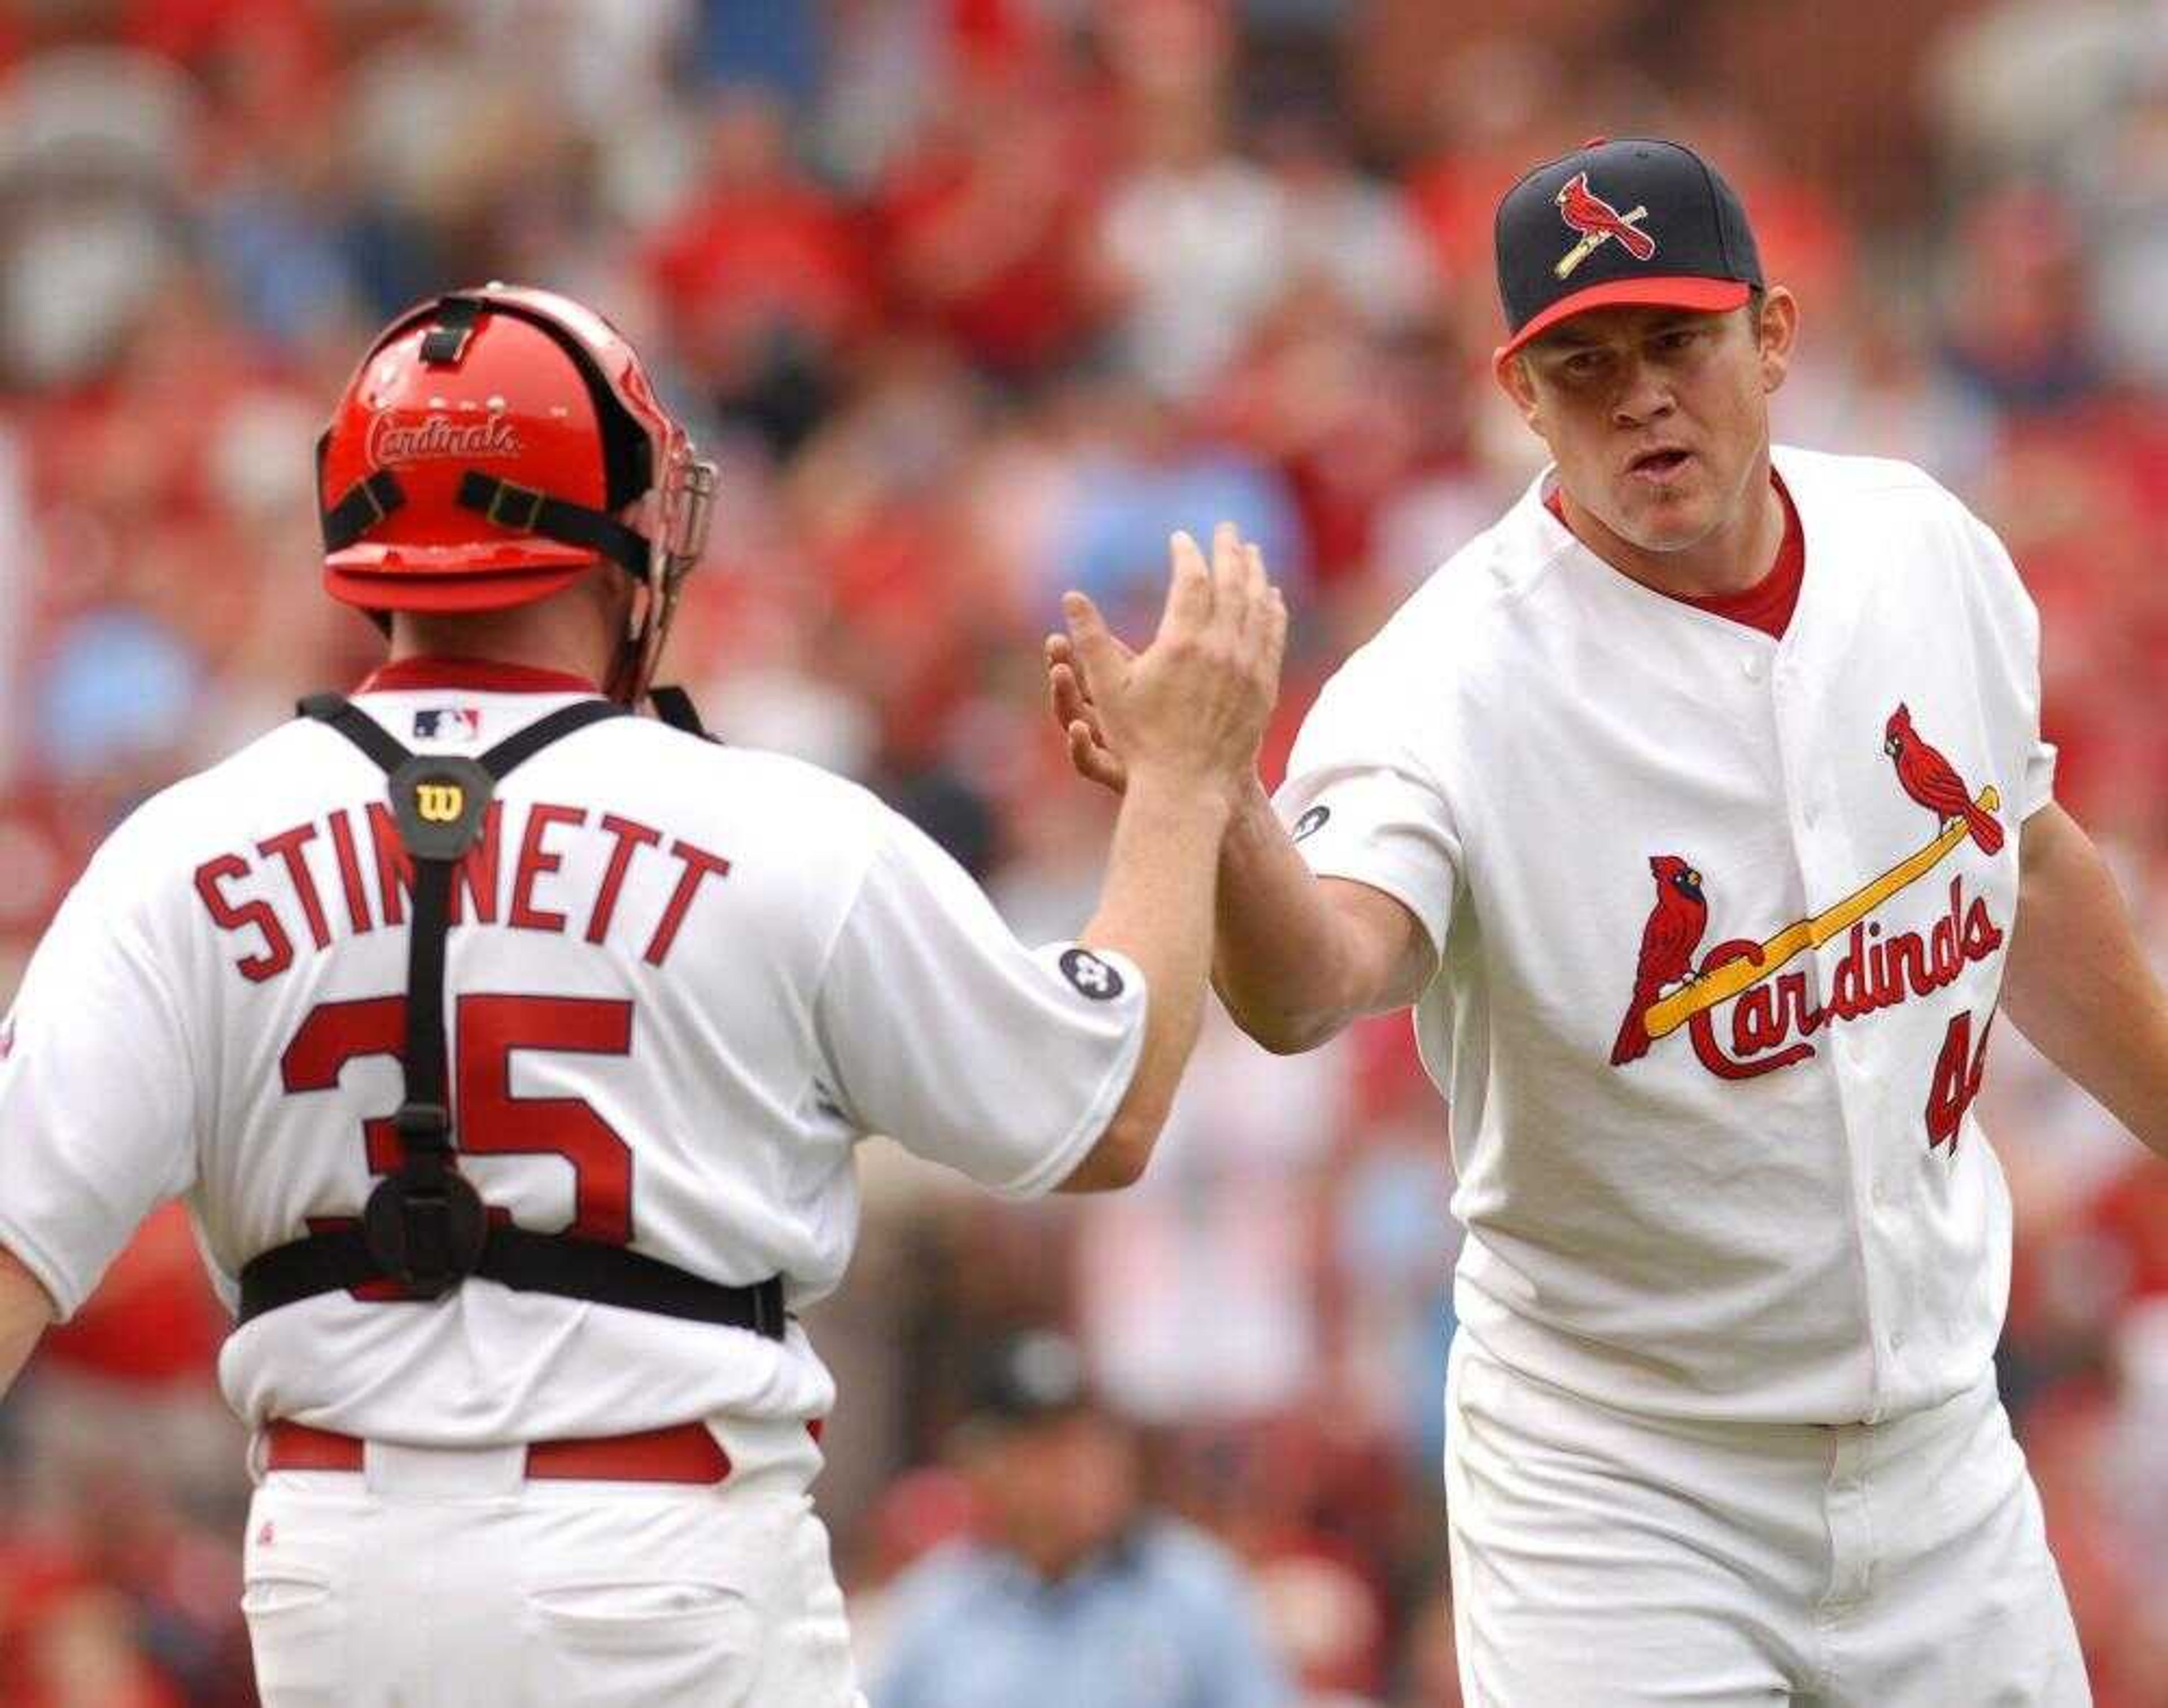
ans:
(1190, 710)
(24, 1312)
(2077, 984)
(1294, 957)
(1024, 1081)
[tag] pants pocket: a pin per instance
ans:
(672, 1643)
(297, 1629)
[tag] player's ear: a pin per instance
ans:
(1511, 370)
(1776, 328)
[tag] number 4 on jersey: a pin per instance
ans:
(1957, 1073)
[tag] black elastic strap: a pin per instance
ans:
(445, 343)
(517, 749)
(616, 1275)
(364, 504)
(528, 510)
(559, 1264)
(389, 753)
(673, 706)
(424, 1125)
(423, 1119)
(357, 727)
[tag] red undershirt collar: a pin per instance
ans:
(1769, 604)
(477, 674)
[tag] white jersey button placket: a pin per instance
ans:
(1811, 805)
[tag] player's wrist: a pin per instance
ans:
(1251, 821)
(1181, 786)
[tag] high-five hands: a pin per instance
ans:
(1194, 702)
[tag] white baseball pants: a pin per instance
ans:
(443, 1578)
(1601, 1560)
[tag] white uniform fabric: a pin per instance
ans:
(843, 977)
(689, 979)
(1603, 1560)
(1775, 1234)
(1506, 757)
(436, 1578)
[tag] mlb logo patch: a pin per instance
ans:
(448, 724)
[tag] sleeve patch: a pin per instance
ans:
(1092, 977)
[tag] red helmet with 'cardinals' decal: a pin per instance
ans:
(492, 447)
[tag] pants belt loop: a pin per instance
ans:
(437, 1472)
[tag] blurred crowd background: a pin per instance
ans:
(974, 299)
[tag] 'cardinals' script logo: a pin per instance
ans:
(392, 440)
(1597, 221)
(1774, 1013)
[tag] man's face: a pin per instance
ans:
(1057, 1489)
(1658, 418)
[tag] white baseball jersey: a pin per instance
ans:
(1722, 921)
(684, 980)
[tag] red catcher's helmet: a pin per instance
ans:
(486, 454)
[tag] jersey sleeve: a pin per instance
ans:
(98, 1093)
(2011, 650)
(1363, 804)
(944, 1032)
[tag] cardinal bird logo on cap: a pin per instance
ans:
(1598, 221)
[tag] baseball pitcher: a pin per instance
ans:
(1699, 807)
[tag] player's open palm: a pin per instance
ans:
(1196, 700)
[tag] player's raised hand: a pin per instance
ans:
(1075, 715)
(1194, 703)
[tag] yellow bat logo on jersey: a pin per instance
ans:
(439, 803)
(1777, 1008)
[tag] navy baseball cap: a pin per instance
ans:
(1634, 220)
(1024, 1378)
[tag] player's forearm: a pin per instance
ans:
(25, 1309)
(1280, 949)
(2077, 984)
(1156, 909)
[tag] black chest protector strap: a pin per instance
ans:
(675, 707)
(424, 1226)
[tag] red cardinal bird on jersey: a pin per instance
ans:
(1668, 941)
(1933, 782)
(1591, 215)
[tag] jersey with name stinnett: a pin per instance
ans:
(1722, 919)
(684, 980)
